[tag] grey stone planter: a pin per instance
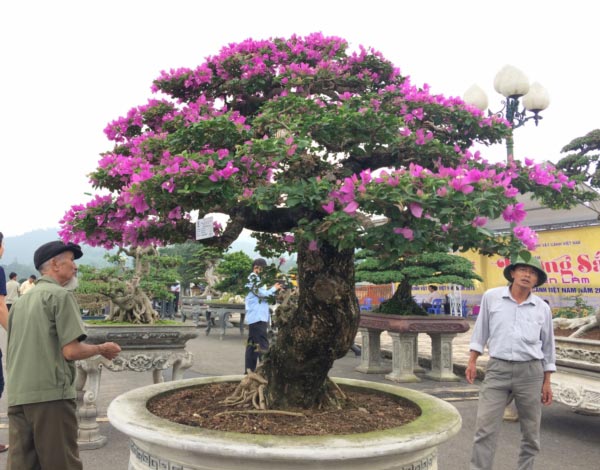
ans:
(577, 381)
(158, 443)
(142, 336)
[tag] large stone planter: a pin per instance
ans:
(143, 349)
(577, 381)
(158, 443)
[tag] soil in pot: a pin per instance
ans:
(363, 412)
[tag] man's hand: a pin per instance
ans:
(109, 350)
(546, 393)
(471, 372)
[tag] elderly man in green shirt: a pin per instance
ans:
(45, 335)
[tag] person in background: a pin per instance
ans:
(27, 285)
(3, 314)
(516, 326)
(433, 295)
(257, 315)
(45, 338)
(175, 291)
(12, 290)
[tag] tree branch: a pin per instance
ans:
(275, 220)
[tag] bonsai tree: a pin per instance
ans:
(306, 143)
(129, 289)
(92, 289)
(581, 159)
(234, 269)
(415, 270)
(197, 264)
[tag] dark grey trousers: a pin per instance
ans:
(43, 436)
(524, 381)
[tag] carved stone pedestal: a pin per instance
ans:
(370, 359)
(403, 331)
(144, 349)
(403, 357)
(441, 358)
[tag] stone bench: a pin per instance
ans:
(404, 330)
(195, 306)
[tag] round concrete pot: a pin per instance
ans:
(158, 443)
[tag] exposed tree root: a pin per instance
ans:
(333, 396)
(250, 390)
(580, 325)
(266, 412)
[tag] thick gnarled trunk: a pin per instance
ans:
(316, 332)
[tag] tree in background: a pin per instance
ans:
(306, 143)
(409, 271)
(234, 269)
(581, 164)
(130, 288)
(581, 161)
(196, 260)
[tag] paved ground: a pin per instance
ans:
(569, 440)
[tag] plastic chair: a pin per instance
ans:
(367, 304)
(436, 307)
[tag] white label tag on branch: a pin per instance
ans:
(205, 228)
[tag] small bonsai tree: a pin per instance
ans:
(409, 271)
(234, 269)
(193, 261)
(582, 158)
(129, 289)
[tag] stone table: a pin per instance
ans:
(404, 330)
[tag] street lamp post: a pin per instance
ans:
(514, 85)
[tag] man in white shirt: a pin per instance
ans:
(27, 285)
(12, 290)
(516, 327)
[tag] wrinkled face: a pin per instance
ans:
(64, 267)
(525, 276)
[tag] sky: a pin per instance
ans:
(68, 68)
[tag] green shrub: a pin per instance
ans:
(579, 310)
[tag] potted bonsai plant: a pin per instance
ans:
(305, 142)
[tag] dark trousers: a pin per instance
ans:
(43, 436)
(258, 343)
